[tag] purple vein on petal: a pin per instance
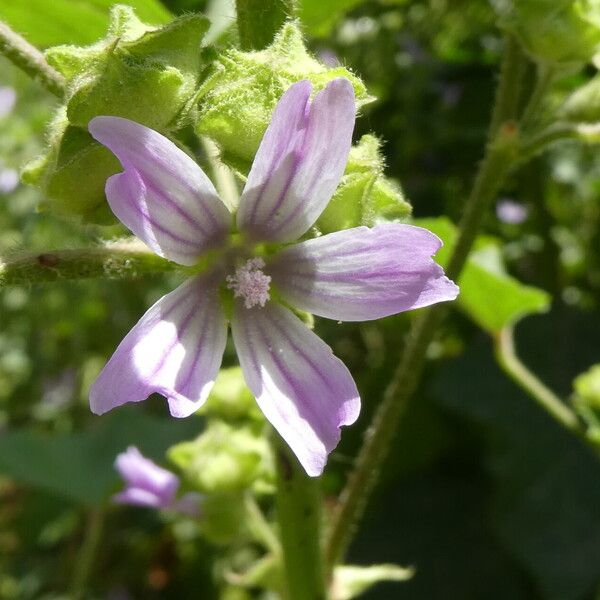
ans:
(309, 410)
(137, 207)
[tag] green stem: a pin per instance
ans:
(259, 20)
(500, 155)
(299, 517)
(260, 527)
(87, 553)
(546, 76)
(520, 374)
(561, 130)
(124, 260)
(222, 175)
(28, 58)
(507, 100)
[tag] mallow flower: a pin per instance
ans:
(147, 484)
(246, 271)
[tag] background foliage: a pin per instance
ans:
(484, 493)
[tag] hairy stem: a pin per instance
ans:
(125, 260)
(512, 71)
(222, 175)
(520, 374)
(500, 156)
(29, 59)
(259, 20)
(299, 517)
(260, 527)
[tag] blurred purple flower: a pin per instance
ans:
(9, 180)
(358, 274)
(149, 485)
(511, 212)
(8, 98)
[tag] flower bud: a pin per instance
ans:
(553, 31)
(230, 399)
(223, 517)
(136, 72)
(147, 74)
(587, 401)
(584, 103)
(587, 386)
(73, 175)
(364, 196)
(225, 458)
(238, 98)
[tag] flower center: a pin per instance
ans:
(250, 283)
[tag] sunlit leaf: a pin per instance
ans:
(319, 16)
(491, 297)
(46, 23)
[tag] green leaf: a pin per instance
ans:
(542, 492)
(491, 297)
(46, 23)
(79, 466)
(319, 16)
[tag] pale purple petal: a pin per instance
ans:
(145, 480)
(361, 274)
(175, 349)
(139, 497)
(302, 388)
(162, 196)
(299, 163)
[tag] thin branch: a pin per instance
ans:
(122, 260)
(520, 374)
(29, 59)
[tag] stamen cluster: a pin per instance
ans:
(250, 283)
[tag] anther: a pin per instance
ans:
(250, 283)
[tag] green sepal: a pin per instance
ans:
(237, 99)
(136, 72)
(73, 175)
(226, 458)
(556, 32)
(364, 196)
